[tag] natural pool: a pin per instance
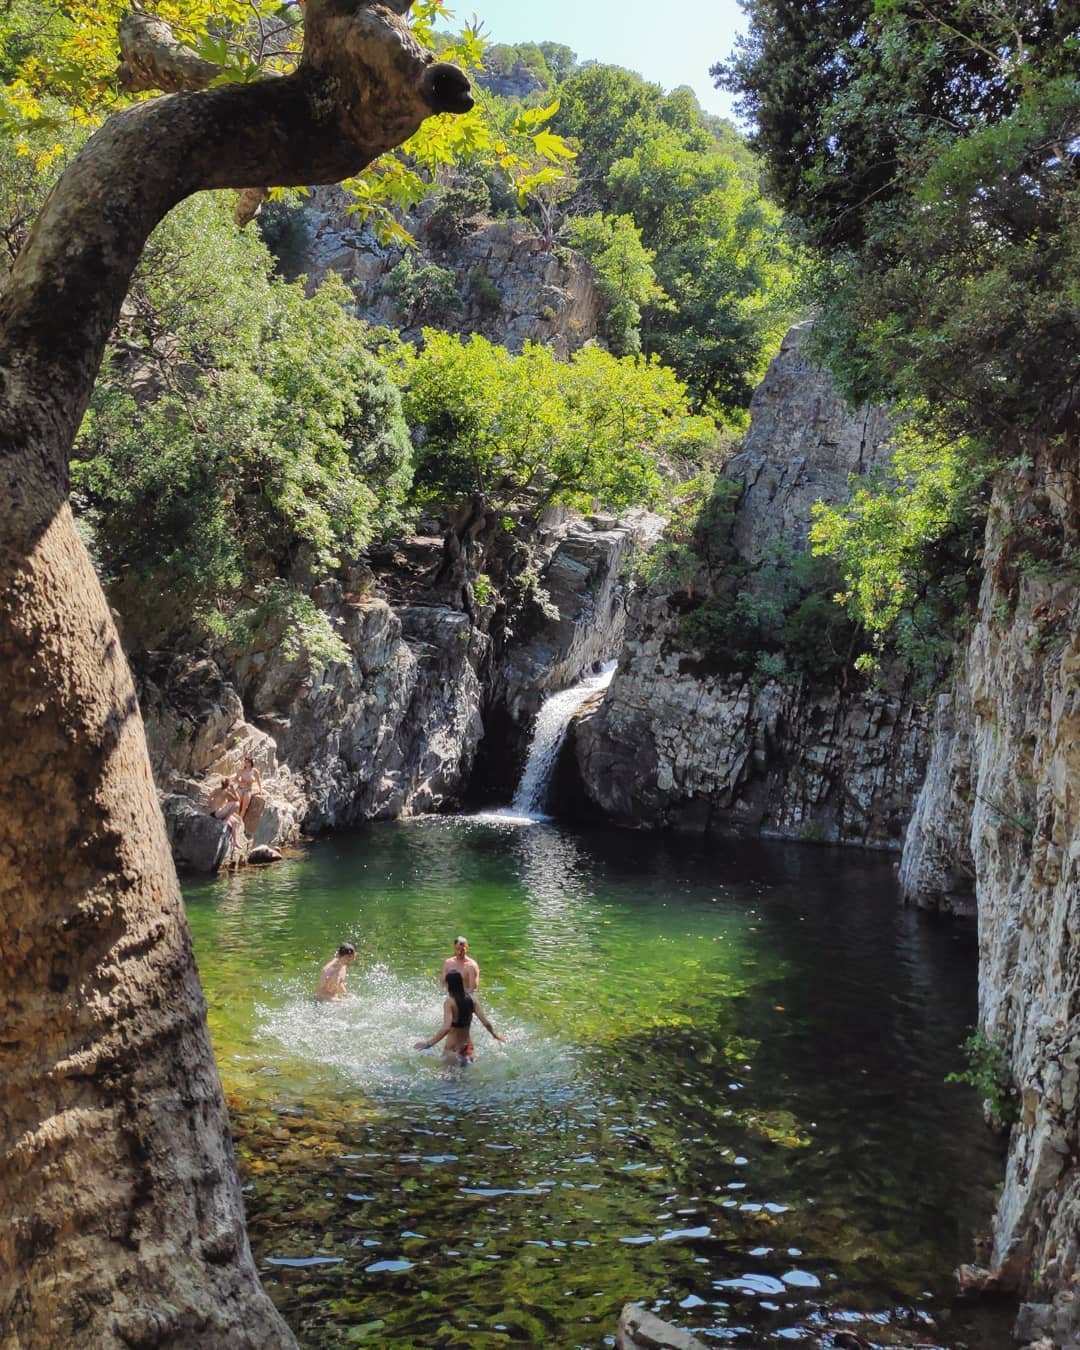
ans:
(723, 1093)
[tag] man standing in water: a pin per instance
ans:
(465, 966)
(332, 980)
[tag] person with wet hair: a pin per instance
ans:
(464, 964)
(459, 1009)
(332, 980)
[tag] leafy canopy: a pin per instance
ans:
(932, 155)
(725, 268)
(624, 274)
(58, 67)
(528, 431)
(241, 437)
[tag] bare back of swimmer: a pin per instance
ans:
(459, 1009)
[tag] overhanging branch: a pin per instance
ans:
(363, 86)
(153, 60)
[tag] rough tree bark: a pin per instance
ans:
(121, 1221)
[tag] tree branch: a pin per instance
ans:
(364, 85)
(153, 60)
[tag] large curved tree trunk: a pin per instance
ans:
(121, 1221)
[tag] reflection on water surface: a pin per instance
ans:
(722, 1094)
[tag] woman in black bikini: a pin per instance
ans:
(458, 1012)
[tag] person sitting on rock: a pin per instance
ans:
(225, 805)
(248, 783)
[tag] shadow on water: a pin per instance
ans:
(722, 1095)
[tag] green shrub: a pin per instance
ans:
(529, 430)
(266, 444)
(448, 224)
(988, 1072)
(286, 232)
(486, 295)
(421, 292)
(283, 617)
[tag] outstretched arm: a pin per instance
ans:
(491, 1030)
(448, 1017)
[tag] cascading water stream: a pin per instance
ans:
(552, 722)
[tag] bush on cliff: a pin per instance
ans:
(932, 156)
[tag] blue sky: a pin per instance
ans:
(672, 47)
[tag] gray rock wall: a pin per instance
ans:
(581, 574)
(675, 745)
(543, 296)
(392, 732)
(1003, 798)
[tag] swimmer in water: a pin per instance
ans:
(332, 980)
(465, 966)
(458, 1012)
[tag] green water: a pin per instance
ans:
(722, 1094)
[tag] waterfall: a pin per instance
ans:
(552, 722)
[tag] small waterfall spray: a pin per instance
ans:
(552, 722)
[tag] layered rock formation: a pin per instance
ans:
(395, 730)
(585, 594)
(1001, 804)
(512, 290)
(675, 744)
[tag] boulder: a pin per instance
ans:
(199, 841)
(639, 1327)
(263, 853)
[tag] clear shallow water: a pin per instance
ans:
(722, 1095)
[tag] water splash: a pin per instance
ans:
(368, 1039)
(552, 722)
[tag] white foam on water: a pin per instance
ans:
(368, 1040)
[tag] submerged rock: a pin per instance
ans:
(639, 1327)
(263, 853)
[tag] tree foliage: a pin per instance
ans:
(722, 257)
(690, 187)
(528, 431)
(624, 273)
(905, 542)
(240, 437)
(932, 153)
(58, 68)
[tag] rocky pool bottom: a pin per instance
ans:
(723, 1093)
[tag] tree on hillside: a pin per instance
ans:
(721, 256)
(624, 274)
(123, 1222)
(241, 437)
(725, 267)
(528, 431)
(932, 155)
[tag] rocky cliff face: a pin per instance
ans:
(1001, 806)
(510, 288)
(395, 730)
(675, 745)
